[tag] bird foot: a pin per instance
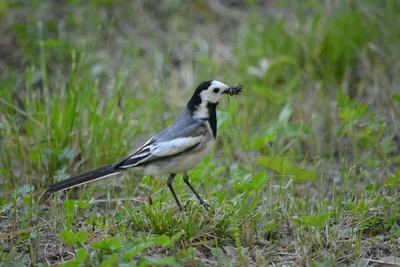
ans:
(203, 203)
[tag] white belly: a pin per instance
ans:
(181, 163)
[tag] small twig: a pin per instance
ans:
(14, 233)
(383, 262)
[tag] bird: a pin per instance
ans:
(176, 149)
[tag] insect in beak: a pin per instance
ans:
(234, 90)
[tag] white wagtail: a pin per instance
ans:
(176, 149)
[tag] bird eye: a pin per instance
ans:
(216, 90)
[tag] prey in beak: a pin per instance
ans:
(234, 90)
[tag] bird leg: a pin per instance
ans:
(169, 183)
(202, 202)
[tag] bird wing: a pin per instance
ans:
(165, 145)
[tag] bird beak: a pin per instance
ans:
(234, 90)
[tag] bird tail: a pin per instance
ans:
(83, 178)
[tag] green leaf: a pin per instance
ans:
(162, 240)
(81, 237)
(108, 244)
(285, 114)
(99, 245)
(69, 205)
(70, 264)
(260, 179)
(82, 204)
(395, 230)
(129, 235)
(146, 180)
(396, 97)
(80, 255)
(393, 180)
(110, 261)
(260, 142)
(68, 238)
(28, 200)
(161, 261)
(284, 166)
(316, 221)
(369, 187)
(128, 255)
(176, 236)
(115, 242)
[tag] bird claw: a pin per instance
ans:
(205, 205)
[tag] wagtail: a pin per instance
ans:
(177, 149)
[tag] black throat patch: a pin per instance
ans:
(212, 117)
(195, 102)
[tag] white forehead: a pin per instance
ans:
(217, 84)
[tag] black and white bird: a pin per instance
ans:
(177, 149)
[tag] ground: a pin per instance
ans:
(305, 170)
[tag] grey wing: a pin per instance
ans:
(176, 139)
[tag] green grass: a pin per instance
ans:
(305, 169)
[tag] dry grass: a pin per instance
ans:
(305, 170)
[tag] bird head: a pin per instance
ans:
(211, 91)
(207, 95)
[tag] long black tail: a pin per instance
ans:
(83, 178)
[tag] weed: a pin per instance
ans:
(305, 170)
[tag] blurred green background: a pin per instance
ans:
(310, 149)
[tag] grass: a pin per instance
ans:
(305, 169)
